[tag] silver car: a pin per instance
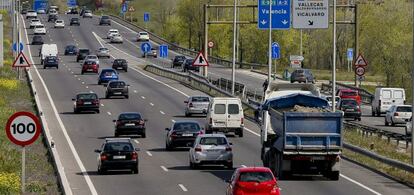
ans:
(102, 52)
(211, 149)
(196, 105)
(116, 38)
(92, 57)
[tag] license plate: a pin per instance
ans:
(187, 135)
(130, 124)
(213, 150)
(318, 158)
(118, 93)
(349, 110)
(90, 69)
(119, 157)
(87, 103)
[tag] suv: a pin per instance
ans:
(71, 50)
(130, 123)
(90, 66)
(87, 14)
(211, 149)
(116, 88)
(105, 20)
(302, 75)
(177, 61)
(188, 65)
(117, 154)
(51, 61)
(120, 64)
(196, 105)
(182, 133)
(82, 54)
(52, 18)
(74, 21)
(351, 108)
(86, 102)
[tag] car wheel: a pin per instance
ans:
(99, 82)
(135, 170)
(97, 111)
(372, 113)
(107, 96)
(333, 175)
(229, 165)
(126, 70)
(144, 135)
(187, 114)
(392, 123)
(378, 113)
(359, 119)
(386, 122)
(209, 131)
(76, 111)
(116, 135)
(191, 165)
(82, 72)
(44, 67)
(168, 146)
(101, 171)
(127, 96)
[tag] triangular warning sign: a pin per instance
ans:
(360, 61)
(200, 60)
(21, 61)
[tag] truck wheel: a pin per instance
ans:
(333, 175)
(372, 113)
(378, 113)
(240, 132)
(229, 165)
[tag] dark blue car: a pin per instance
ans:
(107, 75)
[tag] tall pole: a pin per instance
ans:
(412, 96)
(238, 35)
(233, 69)
(356, 30)
(205, 71)
(23, 169)
(334, 58)
(269, 75)
(1, 41)
(301, 43)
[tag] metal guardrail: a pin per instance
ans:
(182, 50)
(366, 96)
(380, 132)
(382, 159)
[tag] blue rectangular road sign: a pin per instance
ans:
(275, 51)
(350, 54)
(280, 14)
(71, 3)
(124, 7)
(163, 51)
(146, 17)
(40, 4)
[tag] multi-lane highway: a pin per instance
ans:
(160, 101)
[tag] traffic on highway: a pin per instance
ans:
(119, 129)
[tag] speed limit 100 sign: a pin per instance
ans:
(23, 128)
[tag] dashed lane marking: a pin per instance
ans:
(109, 113)
(164, 168)
(183, 187)
(162, 112)
(151, 104)
(149, 153)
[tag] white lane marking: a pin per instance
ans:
(149, 153)
(65, 133)
(251, 131)
(78, 79)
(164, 168)
(71, 72)
(109, 113)
(151, 104)
(86, 87)
(183, 187)
(123, 26)
(102, 105)
(244, 166)
(83, 83)
(172, 120)
(360, 184)
(136, 141)
(76, 75)
(135, 91)
(90, 91)
(162, 112)
(143, 97)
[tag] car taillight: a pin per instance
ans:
(242, 121)
(96, 102)
(228, 149)
(198, 149)
(134, 156)
(275, 189)
(141, 122)
(103, 157)
(396, 114)
(211, 121)
(190, 105)
(118, 123)
(173, 135)
(379, 102)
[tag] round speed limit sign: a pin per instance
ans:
(23, 128)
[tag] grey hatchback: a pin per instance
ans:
(117, 88)
(302, 75)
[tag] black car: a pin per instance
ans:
(51, 61)
(117, 154)
(182, 133)
(105, 20)
(37, 40)
(351, 108)
(177, 61)
(117, 88)
(120, 64)
(24, 11)
(82, 53)
(188, 65)
(302, 76)
(73, 11)
(130, 123)
(71, 50)
(52, 18)
(86, 102)
(82, 11)
(74, 21)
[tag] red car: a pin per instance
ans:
(253, 180)
(349, 94)
(90, 66)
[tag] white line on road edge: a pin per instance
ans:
(65, 133)
(151, 104)
(162, 112)
(143, 97)
(172, 120)
(109, 113)
(361, 185)
(183, 187)
(83, 83)
(251, 131)
(136, 141)
(164, 168)
(149, 153)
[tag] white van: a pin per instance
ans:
(384, 98)
(225, 114)
(47, 50)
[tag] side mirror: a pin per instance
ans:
(186, 102)
(137, 149)
(167, 129)
(98, 151)
(114, 120)
(73, 99)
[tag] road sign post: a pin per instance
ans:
(23, 128)
(350, 56)
(310, 14)
(275, 55)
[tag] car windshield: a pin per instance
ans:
(186, 126)
(105, 17)
(213, 141)
(59, 21)
(87, 96)
(130, 116)
(118, 146)
(118, 61)
(103, 49)
(403, 109)
(349, 103)
(40, 26)
(143, 33)
(91, 57)
(350, 93)
(179, 57)
(51, 59)
(74, 19)
(89, 62)
(200, 99)
(117, 84)
(255, 176)
(108, 73)
(35, 20)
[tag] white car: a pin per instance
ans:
(143, 36)
(53, 12)
(103, 52)
(398, 114)
(117, 38)
(88, 14)
(39, 30)
(111, 32)
(31, 14)
(41, 11)
(59, 24)
(34, 23)
(92, 57)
